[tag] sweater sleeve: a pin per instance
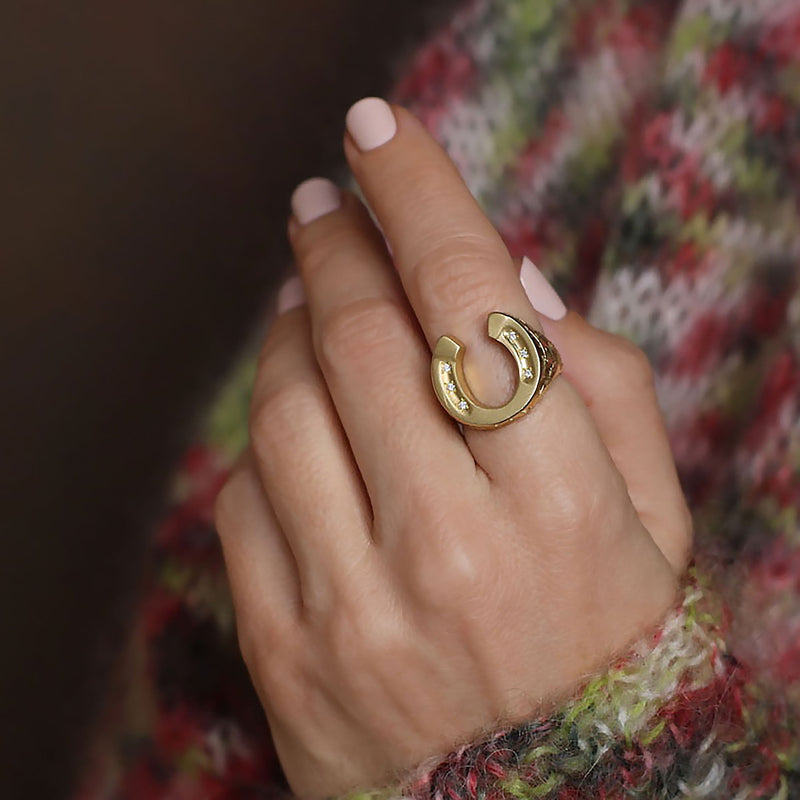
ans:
(665, 720)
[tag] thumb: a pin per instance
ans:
(615, 380)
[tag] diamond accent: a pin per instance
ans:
(447, 367)
(512, 335)
(451, 386)
(527, 373)
(524, 352)
(463, 405)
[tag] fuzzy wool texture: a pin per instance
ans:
(646, 155)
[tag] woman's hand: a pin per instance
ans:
(401, 587)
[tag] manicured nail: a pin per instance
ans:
(371, 123)
(542, 295)
(291, 294)
(313, 198)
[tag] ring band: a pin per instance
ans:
(537, 360)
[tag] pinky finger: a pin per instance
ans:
(616, 382)
(261, 568)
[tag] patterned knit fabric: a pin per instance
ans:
(647, 156)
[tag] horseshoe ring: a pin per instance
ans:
(537, 360)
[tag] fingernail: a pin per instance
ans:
(371, 123)
(291, 294)
(542, 295)
(314, 198)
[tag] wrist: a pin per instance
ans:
(660, 697)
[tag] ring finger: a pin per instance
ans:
(305, 463)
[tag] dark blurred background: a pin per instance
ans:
(147, 154)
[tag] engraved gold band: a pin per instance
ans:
(537, 360)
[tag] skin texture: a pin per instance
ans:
(400, 587)
(147, 151)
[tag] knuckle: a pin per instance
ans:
(457, 271)
(280, 411)
(570, 508)
(319, 251)
(361, 331)
(362, 633)
(448, 579)
(633, 364)
(266, 653)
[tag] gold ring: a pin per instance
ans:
(537, 360)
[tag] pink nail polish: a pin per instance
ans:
(291, 294)
(371, 123)
(314, 198)
(542, 295)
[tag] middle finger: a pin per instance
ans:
(369, 346)
(453, 265)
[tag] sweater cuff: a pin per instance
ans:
(644, 725)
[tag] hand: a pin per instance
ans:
(401, 587)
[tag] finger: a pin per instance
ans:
(453, 264)
(261, 569)
(372, 354)
(305, 462)
(615, 381)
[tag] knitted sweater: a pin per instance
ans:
(647, 156)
